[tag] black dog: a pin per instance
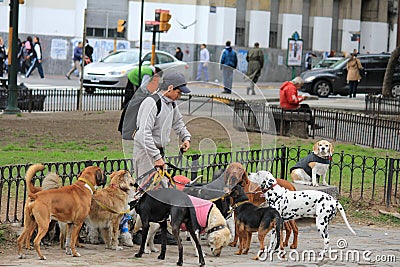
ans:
(250, 218)
(157, 206)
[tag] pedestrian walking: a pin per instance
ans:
(78, 52)
(36, 58)
(228, 64)
(178, 53)
(88, 52)
(3, 56)
(203, 65)
(353, 74)
(255, 57)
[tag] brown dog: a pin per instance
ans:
(236, 174)
(69, 204)
(109, 206)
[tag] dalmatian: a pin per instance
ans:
(293, 205)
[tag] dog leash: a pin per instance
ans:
(103, 206)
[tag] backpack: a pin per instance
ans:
(127, 123)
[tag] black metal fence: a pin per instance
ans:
(358, 177)
(362, 129)
(65, 99)
(377, 105)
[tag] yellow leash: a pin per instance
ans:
(110, 209)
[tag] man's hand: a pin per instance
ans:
(159, 163)
(185, 145)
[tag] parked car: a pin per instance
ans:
(332, 80)
(112, 71)
(326, 62)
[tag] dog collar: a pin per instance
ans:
(87, 184)
(239, 203)
(216, 228)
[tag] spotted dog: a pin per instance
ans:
(301, 204)
(316, 163)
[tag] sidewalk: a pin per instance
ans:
(373, 245)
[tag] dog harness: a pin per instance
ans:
(303, 163)
(202, 208)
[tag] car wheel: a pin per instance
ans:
(396, 90)
(90, 90)
(322, 88)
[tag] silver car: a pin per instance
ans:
(112, 71)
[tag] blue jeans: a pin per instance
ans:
(227, 78)
(201, 68)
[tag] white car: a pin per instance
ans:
(112, 71)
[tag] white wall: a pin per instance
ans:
(393, 38)
(322, 33)
(290, 24)
(374, 37)
(46, 17)
(259, 27)
(210, 28)
(349, 26)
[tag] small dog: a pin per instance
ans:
(108, 207)
(157, 206)
(301, 204)
(59, 204)
(250, 218)
(236, 174)
(316, 163)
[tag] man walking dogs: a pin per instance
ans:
(255, 57)
(153, 131)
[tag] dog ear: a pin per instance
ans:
(331, 149)
(315, 148)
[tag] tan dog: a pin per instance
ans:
(69, 204)
(109, 205)
(236, 174)
(316, 163)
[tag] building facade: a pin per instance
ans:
(369, 26)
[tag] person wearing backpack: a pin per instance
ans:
(153, 128)
(228, 64)
(127, 122)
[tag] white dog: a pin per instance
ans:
(300, 204)
(316, 163)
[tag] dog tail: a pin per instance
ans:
(32, 170)
(341, 210)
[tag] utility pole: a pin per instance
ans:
(398, 25)
(83, 60)
(12, 105)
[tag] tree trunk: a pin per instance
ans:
(387, 81)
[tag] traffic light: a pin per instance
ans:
(164, 18)
(121, 25)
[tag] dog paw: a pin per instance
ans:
(162, 257)
(21, 256)
(325, 184)
(293, 246)
(68, 251)
(147, 251)
(179, 263)
(316, 185)
(138, 255)
(117, 248)
(43, 258)
(76, 255)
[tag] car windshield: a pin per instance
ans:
(127, 57)
(339, 64)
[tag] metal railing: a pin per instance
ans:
(357, 177)
(54, 100)
(377, 105)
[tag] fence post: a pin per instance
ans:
(389, 183)
(30, 100)
(374, 132)
(283, 162)
(336, 126)
(78, 98)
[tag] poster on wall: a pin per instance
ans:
(294, 52)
